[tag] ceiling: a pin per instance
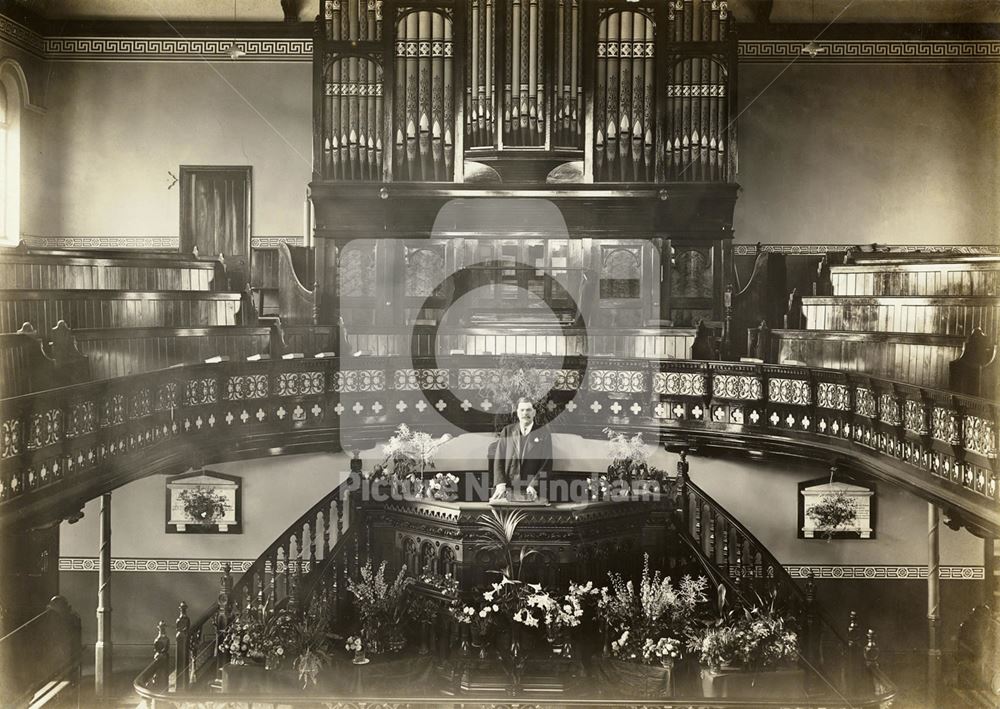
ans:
(746, 11)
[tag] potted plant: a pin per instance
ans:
(749, 652)
(203, 504)
(645, 627)
(381, 605)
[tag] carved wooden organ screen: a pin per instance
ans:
(428, 80)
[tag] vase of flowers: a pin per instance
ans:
(382, 607)
(749, 652)
(408, 455)
(629, 475)
(354, 644)
(645, 624)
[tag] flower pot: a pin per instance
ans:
(732, 682)
(637, 679)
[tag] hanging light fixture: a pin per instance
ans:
(235, 51)
(813, 48)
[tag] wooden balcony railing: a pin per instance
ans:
(64, 446)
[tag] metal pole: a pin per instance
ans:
(933, 603)
(103, 648)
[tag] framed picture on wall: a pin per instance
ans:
(836, 508)
(204, 502)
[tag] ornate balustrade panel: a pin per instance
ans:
(83, 439)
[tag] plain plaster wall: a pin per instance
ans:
(113, 131)
(862, 153)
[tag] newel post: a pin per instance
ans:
(161, 657)
(812, 639)
(183, 626)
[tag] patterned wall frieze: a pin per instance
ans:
(870, 51)
(820, 249)
(820, 571)
(876, 572)
(679, 383)
(175, 49)
(147, 565)
(737, 386)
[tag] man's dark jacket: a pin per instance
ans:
(519, 459)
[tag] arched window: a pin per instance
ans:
(11, 100)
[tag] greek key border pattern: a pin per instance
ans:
(175, 49)
(881, 51)
(19, 35)
(905, 573)
(820, 249)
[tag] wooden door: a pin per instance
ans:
(215, 216)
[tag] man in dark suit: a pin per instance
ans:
(523, 456)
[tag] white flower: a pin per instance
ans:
(488, 595)
(484, 612)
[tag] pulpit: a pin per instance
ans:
(445, 542)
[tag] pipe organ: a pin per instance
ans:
(607, 91)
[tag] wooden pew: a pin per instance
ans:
(296, 296)
(120, 352)
(651, 343)
(41, 659)
(80, 270)
(924, 360)
(116, 308)
(927, 278)
(24, 366)
(932, 316)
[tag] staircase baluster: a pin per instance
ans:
(711, 535)
(324, 534)
(696, 532)
(281, 568)
(271, 568)
(293, 562)
(339, 500)
(304, 548)
(725, 545)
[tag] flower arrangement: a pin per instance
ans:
(556, 613)
(629, 462)
(654, 611)
(833, 511)
(664, 651)
(381, 606)
(408, 454)
(203, 504)
(354, 644)
(443, 486)
(754, 640)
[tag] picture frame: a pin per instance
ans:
(863, 496)
(204, 502)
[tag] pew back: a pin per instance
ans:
(116, 308)
(43, 271)
(918, 279)
(24, 368)
(933, 316)
(919, 359)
